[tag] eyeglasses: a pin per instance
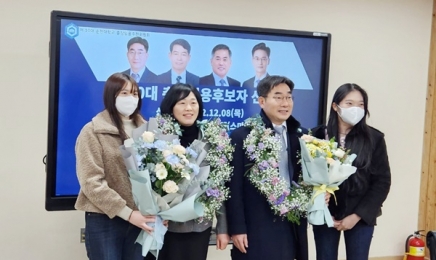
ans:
(280, 99)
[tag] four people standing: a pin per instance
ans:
(256, 232)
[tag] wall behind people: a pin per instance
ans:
(383, 46)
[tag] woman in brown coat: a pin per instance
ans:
(112, 220)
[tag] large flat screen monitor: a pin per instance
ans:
(86, 49)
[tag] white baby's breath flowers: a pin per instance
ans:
(262, 147)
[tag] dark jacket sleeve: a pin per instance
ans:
(235, 205)
(302, 240)
(379, 182)
(221, 225)
(302, 252)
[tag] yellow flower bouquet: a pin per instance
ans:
(325, 166)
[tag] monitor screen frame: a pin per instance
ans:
(58, 203)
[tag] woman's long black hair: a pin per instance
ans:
(358, 140)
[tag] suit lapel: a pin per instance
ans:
(168, 77)
(295, 147)
(252, 81)
(144, 75)
(293, 134)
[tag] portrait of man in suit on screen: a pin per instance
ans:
(137, 54)
(260, 60)
(180, 54)
(221, 62)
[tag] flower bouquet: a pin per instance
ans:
(263, 147)
(213, 151)
(161, 172)
(325, 166)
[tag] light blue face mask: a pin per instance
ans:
(351, 115)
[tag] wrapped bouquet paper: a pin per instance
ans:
(214, 154)
(162, 175)
(175, 183)
(325, 166)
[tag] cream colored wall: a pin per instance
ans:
(381, 45)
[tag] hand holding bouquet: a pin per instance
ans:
(325, 166)
(214, 153)
(160, 171)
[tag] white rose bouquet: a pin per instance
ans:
(213, 152)
(160, 171)
(325, 166)
(168, 163)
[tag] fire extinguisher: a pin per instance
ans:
(415, 247)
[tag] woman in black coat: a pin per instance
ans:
(360, 197)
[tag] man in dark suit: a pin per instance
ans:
(180, 54)
(260, 59)
(137, 54)
(257, 232)
(221, 62)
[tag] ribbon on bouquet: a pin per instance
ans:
(178, 207)
(150, 203)
(325, 178)
(153, 242)
(322, 189)
(318, 212)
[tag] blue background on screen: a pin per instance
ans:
(86, 62)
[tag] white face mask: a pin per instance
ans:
(351, 115)
(126, 105)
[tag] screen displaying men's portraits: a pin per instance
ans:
(225, 66)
